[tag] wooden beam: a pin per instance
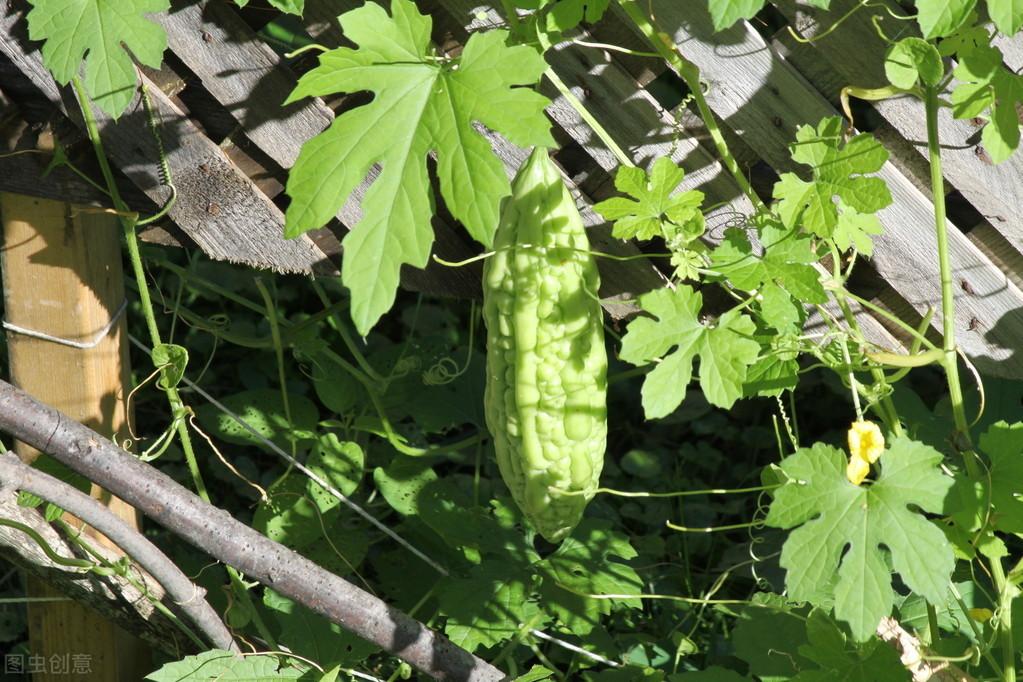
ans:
(62, 277)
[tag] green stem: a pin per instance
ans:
(591, 121)
(951, 361)
(275, 335)
(177, 406)
(1004, 622)
(338, 323)
(690, 73)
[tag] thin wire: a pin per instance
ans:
(80, 345)
(304, 469)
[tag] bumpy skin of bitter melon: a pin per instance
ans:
(546, 396)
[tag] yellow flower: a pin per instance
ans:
(865, 445)
(865, 441)
(857, 470)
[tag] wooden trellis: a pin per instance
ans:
(229, 144)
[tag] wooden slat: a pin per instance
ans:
(245, 75)
(763, 99)
(218, 206)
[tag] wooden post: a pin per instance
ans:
(62, 276)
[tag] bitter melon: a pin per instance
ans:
(546, 395)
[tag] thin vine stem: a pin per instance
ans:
(951, 361)
(177, 405)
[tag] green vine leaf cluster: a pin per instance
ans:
(834, 203)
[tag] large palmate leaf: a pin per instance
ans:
(654, 210)
(101, 32)
(422, 103)
(836, 550)
(226, 666)
(676, 337)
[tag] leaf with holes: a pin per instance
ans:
(423, 103)
(840, 529)
(489, 606)
(102, 32)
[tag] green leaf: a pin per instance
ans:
(768, 640)
(1007, 15)
(101, 32)
(725, 350)
(839, 659)
(263, 410)
(224, 666)
(445, 508)
(311, 635)
(535, 674)
(724, 13)
(986, 84)
(402, 483)
(839, 170)
(911, 60)
(714, 673)
(564, 15)
(583, 564)
(938, 18)
(843, 526)
(1003, 443)
(422, 103)
(489, 606)
(785, 266)
(855, 229)
(337, 462)
(288, 516)
(174, 359)
(298, 509)
(654, 211)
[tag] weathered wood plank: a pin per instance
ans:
(763, 99)
(218, 206)
(245, 75)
